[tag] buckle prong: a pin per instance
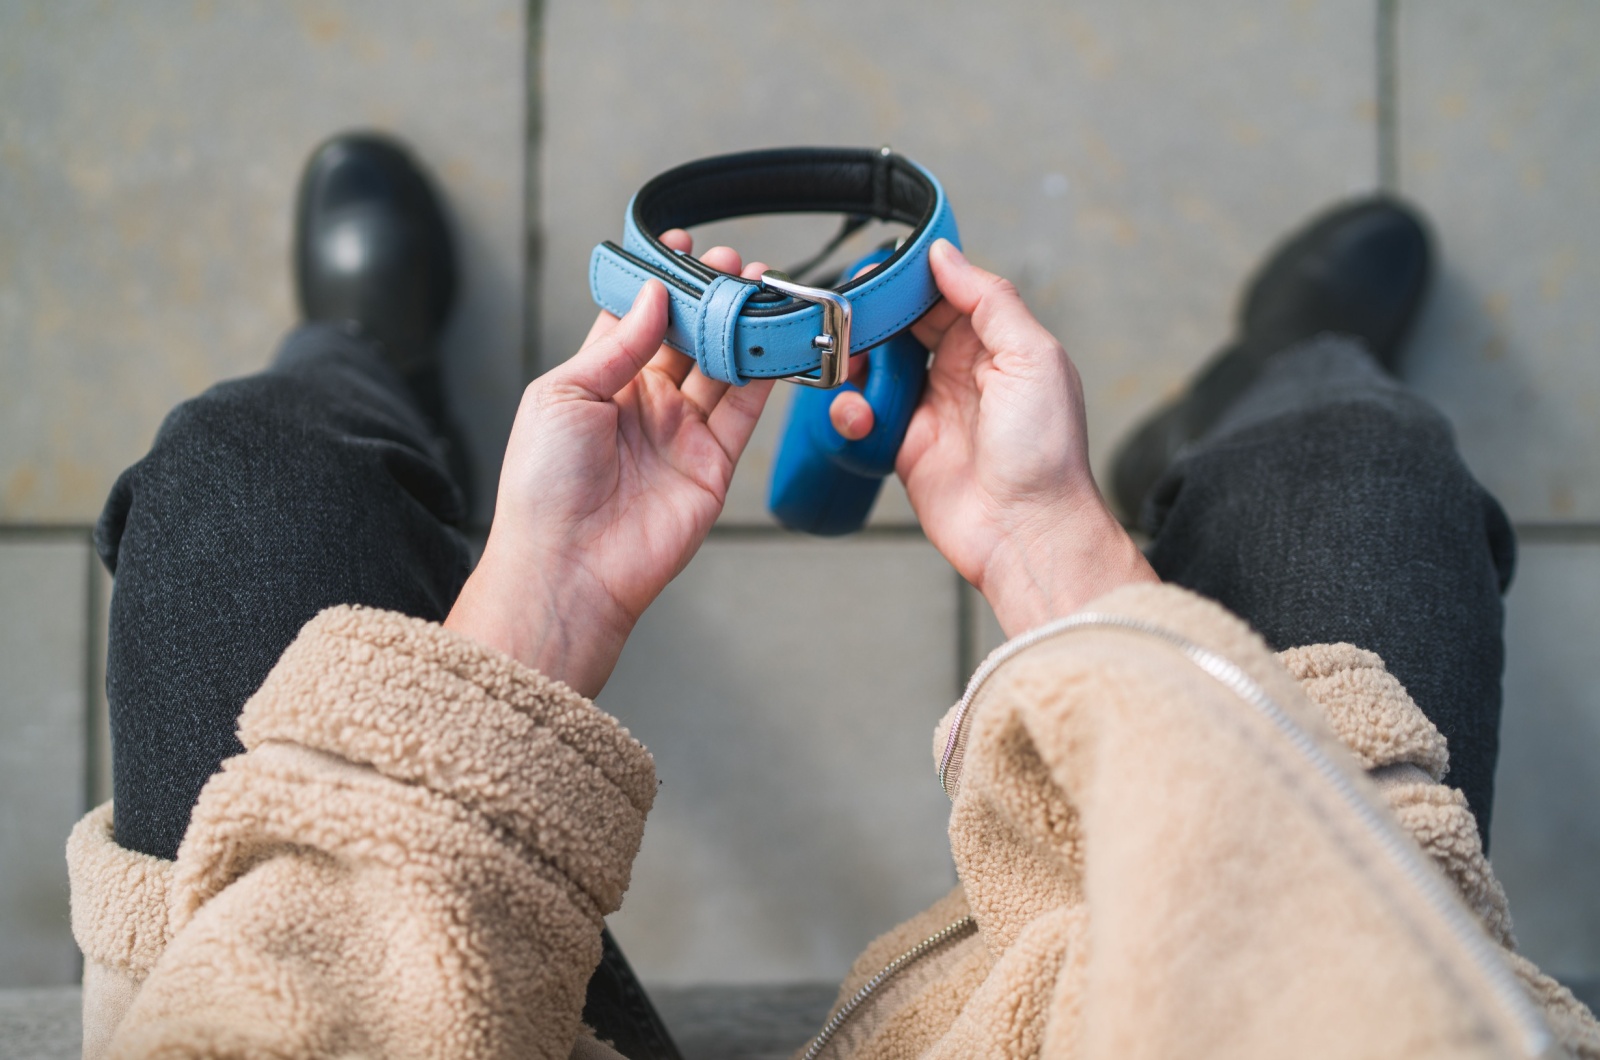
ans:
(834, 342)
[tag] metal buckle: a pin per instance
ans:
(834, 342)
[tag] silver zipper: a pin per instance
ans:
(1402, 852)
(955, 740)
(959, 930)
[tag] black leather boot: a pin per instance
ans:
(372, 252)
(1360, 269)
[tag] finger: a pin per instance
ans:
(734, 419)
(702, 390)
(602, 324)
(670, 362)
(961, 282)
(860, 366)
(851, 416)
(611, 361)
(674, 239)
(999, 317)
(931, 328)
(725, 259)
(697, 386)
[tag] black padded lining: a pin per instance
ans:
(786, 180)
(844, 180)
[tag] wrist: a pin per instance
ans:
(1057, 565)
(548, 624)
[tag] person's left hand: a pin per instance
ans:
(996, 458)
(618, 463)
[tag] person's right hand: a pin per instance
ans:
(618, 463)
(996, 458)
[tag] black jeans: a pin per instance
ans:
(266, 499)
(1330, 504)
(261, 502)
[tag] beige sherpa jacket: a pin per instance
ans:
(1170, 842)
(412, 858)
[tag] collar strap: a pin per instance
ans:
(738, 329)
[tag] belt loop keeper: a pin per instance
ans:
(716, 327)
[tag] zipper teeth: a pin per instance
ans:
(955, 740)
(960, 929)
(1536, 1037)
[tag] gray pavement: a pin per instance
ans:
(1124, 164)
(41, 1024)
(707, 1023)
(1496, 140)
(149, 160)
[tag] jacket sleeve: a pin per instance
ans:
(413, 857)
(1175, 843)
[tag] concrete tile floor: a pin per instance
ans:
(44, 595)
(1496, 140)
(707, 1023)
(1545, 841)
(1124, 164)
(788, 691)
(148, 157)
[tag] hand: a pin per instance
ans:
(996, 459)
(618, 463)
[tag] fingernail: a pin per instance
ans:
(639, 297)
(944, 246)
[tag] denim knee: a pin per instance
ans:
(1347, 515)
(1374, 463)
(201, 441)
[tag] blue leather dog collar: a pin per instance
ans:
(738, 329)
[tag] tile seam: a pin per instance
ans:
(46, 531)
(92, 645)
(966, 633)
(1536, 530)
(93, 652)
(903, 532)
(532, 189)
(1388, 78)
(1575, 533)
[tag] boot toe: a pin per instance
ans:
(1361, 269)
(372, 245)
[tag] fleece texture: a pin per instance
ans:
(1155, 870)
(414, 854)
(412, 858)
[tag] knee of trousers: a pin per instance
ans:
(1379, 470)
(203, 441)
(279, 462)
(1387, 449)
(234, 423)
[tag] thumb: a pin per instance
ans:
(851, 416)
(999, 317)
(609, 362)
